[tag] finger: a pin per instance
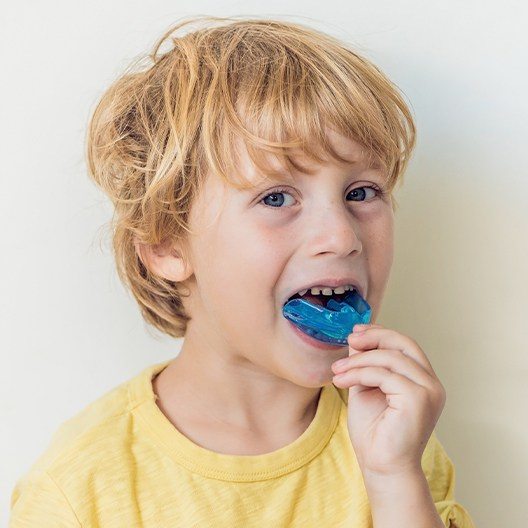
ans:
(360, 327)
(393, 360)
(390, 383)
(385, 338)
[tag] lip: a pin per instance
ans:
(331, 283)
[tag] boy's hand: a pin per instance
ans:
(394, 401)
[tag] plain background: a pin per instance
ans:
(459, 286)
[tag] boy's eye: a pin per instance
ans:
(276, 201)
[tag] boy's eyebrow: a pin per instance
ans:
(284, 175)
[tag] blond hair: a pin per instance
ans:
(276, 85)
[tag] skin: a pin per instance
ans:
(394, 402)
(244, 383)
(242, 373)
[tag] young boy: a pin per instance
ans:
(252, 161)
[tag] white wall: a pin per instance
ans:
(459, 285)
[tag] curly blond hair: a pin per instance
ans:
(172, 116)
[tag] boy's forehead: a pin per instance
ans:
(347, 148)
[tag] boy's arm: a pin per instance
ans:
(402, 501)
(37, 501)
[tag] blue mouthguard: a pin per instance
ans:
(331, 324)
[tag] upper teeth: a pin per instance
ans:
(318, 290)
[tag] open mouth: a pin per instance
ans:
(329, 318)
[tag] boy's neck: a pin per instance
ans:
(224, 422)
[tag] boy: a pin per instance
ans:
(249, 425)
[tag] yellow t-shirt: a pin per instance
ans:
(121, 463)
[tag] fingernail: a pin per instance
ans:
(361, 332)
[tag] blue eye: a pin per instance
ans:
(362, 193)
(276, 196)
(275, 193)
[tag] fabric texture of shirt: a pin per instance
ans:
(121, 463)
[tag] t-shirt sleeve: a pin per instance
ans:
(37, 501)
(440, 473)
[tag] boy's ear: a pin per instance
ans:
(164, 261)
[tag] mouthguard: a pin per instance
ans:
(332, 323)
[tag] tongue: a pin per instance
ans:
(315, 299)
(322, 300)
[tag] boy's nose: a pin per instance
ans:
(334, 231)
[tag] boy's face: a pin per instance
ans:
(249, 259)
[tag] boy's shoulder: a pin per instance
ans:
(84, 453)
(99, 426)
(88, 430)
